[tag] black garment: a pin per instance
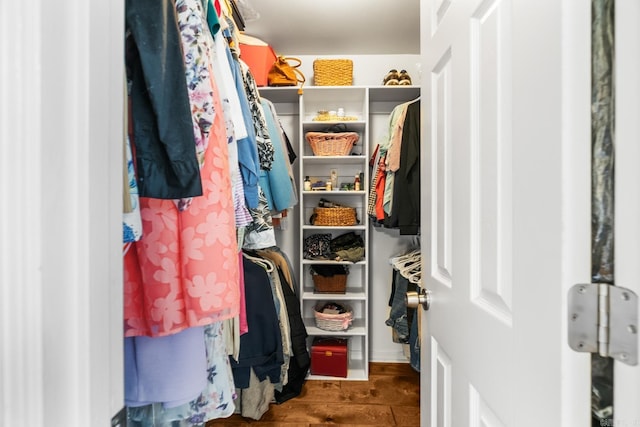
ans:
(405, 211)
(261, 347)
(165, 147)
(300, 362)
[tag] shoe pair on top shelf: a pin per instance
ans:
(393, 78)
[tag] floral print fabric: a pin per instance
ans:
(196, 45)
(263, 140)
(131, 222)
(184, 271)
(215, 401)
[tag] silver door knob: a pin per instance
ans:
(413, 299)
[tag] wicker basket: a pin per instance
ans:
(336, 216)
(331, 144)
(333, 322)
(336, 284)
(333, 72)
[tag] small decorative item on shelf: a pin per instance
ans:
(333, 72)
(332, 316)
(330, 143)
(333, 116)
(333, 177)
(318, 185)
(307, 184)
(329, 278)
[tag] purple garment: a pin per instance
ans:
(171, 369)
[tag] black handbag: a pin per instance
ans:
(317, 246)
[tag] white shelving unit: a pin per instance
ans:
(355, 102)
(360, 102)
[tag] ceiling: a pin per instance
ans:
(327, 27)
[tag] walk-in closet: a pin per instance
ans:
(280, 250)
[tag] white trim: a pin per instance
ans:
(21, 354)
(576, 200)
(61, 124)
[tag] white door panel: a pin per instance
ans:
(495, 229)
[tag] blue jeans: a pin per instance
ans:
(414, 344)
(399, 316)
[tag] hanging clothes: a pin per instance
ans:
(261, 346)
(169, 370)
(395, 171)
(184, 271)
(216, 399)
(277, 182)
(406, 190)
(300, 360)
(206, 328)
(247, 146)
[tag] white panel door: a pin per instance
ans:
(627, 191)
(506, 208)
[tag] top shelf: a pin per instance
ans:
(376, 93)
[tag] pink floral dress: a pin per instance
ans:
(184, 271)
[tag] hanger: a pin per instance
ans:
(411, 268)
(262, 262)
(405, 259)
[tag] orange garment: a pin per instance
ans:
(185, 270)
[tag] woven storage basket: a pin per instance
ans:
(333, 322)
(331, 144)
(336, 216)
(333, 72)
(336, 284)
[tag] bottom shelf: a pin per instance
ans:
(331, 361)
(355, 372)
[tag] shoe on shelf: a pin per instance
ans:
(391, 78)
(403, 78)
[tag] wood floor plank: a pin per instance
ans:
(321, 391)
(332, 413)
(396, 390)
(406, 416)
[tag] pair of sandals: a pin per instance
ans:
(395, 78)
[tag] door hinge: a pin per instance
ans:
(603, 319)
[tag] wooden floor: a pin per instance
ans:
(391, 397)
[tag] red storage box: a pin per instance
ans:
(329, 357)
(259, 56)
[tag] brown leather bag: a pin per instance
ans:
(283, 73)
